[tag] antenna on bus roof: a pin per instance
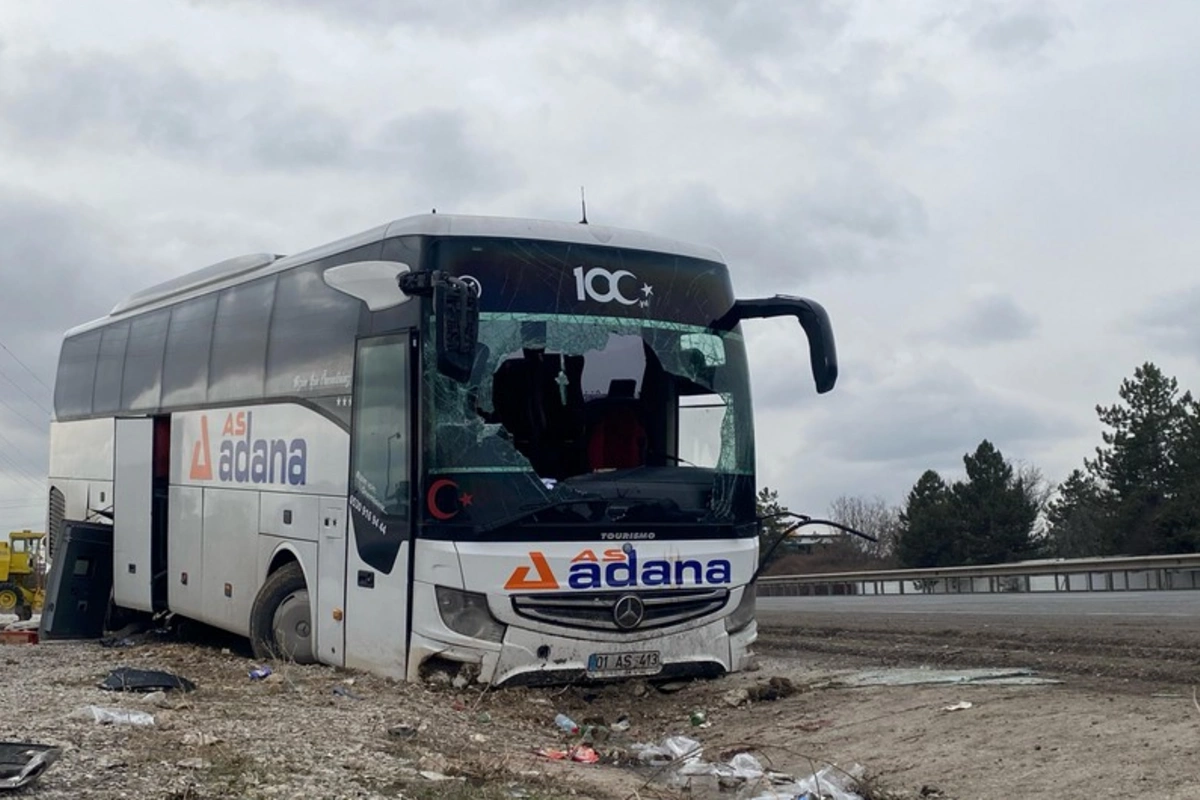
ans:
(583, 203)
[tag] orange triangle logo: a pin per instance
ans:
(201, 458)
(520, 580)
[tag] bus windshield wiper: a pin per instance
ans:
(595, 504)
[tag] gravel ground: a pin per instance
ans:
(289, 736)
(317, 732)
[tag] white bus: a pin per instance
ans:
(515, 448)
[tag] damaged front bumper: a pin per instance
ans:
(534, 657)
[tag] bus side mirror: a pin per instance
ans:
(456, 317)
(810, 314)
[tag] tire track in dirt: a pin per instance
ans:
(1107, 649)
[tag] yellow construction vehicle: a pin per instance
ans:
(22, 574)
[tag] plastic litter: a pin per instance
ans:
(566, 723)
(258, 673)
(113, 716)
(829, 783)
(826, 784)
(671, 749)
(581, 753)
(963, 706)
(22, 763)
(129, 679)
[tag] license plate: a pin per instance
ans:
(640, 663)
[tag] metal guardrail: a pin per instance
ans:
(1119, 573)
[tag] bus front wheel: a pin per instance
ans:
(280, 620)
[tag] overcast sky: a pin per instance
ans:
(996, 201)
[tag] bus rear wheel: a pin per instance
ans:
(280, 620)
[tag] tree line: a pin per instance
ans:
(1138, 495)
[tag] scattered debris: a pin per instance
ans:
(259, 673)
(22, 763)
(113, 716)
(963, 706)
(130, 679)
(201, 739)
(735, 697)
(193, 763)
(566, 724)
(581, 753)
(924, 675)
(774, 689)
(343, 691)
(402, 731)
(430, 775)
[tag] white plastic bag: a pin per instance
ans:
(113, 716)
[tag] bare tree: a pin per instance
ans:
(872, 516)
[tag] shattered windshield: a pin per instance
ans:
(651, 415)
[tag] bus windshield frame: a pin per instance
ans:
(574, 365)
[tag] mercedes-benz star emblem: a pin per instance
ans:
(628, 612)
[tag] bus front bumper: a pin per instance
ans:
(535, 657)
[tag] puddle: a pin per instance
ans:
(958, 677)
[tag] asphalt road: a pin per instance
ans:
(1061, 605)
(1143, 637)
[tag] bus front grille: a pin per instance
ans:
(596, 610)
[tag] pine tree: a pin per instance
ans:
(1138, 465)
(996, 509)
(928, 534)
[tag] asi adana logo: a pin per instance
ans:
(241, 458)
(617, 569)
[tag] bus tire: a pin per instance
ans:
(280, 619)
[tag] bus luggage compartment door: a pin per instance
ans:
(331, 581)
(132, 496)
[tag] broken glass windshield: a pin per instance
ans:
(569, 404)
(597, 377)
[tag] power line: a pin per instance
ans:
(32, 374)
(32, 461)
(26, 419)
(30, 397)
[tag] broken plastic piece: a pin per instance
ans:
(129, 679)
(21, 763)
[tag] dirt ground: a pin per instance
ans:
(318, 732)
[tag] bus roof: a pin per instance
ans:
(244, 268)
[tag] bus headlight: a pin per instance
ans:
(467, 613)
(743, 615)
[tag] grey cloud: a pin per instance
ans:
(257, 122)
(739, 31)
(845, 223)
(1011, 31)
(1172, 322)
(61, 265)
(991, 319)
(456, 17)
(927, 417)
